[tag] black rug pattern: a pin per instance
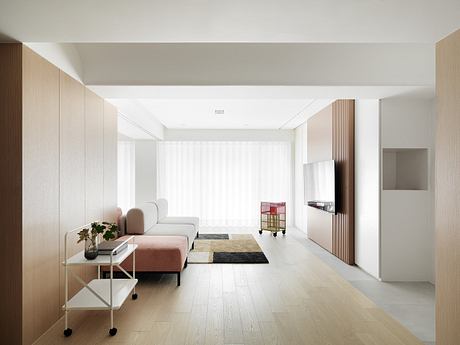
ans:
(212, 237)
(239, 258)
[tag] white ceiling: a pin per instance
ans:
(318, 64)
(178, 92)
(324, 50)
(229, 21)
(246, 107)
(239, 113)
(200, 114)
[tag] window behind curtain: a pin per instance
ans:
(126, 175)
(224, 182)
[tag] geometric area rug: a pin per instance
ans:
(226, 249)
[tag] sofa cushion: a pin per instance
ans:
(195, 221)
(162, 206)
(186, 230)
(141, 219)
(120, 220)
(158, 254)
(122, 225)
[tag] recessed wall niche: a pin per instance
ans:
(405, 169)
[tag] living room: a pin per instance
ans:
(207, 183)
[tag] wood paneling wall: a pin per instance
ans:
(11, 193)
(447, 191)
(59, 171)
(94, 163)
(319, 148)
(94, 160)
(41, 190)
(319, 136)
(110, 161)
(72, 171)
(330, 135)
(343, 148)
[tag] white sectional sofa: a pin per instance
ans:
(163, 218)
(143, 220)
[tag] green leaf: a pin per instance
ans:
(83, 235)
(108, 235)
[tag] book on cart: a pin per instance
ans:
(106, 247)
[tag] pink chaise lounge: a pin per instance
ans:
(161, 254)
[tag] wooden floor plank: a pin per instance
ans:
(295, 299)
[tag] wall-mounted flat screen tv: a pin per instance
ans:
(319, 184)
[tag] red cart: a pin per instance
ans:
(273, 217)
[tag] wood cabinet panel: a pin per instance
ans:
(447, 191)
(72, 167)
(319, 148)
(319, 136)
(58, 172)
(94, 160)
(110, 161)
(40, 195)
(11, 192)
(94, 163)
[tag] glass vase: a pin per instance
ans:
(91, 249)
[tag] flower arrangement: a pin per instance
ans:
(108, 231)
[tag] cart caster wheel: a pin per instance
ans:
(284, 232)
(134, 296)
(112, 331)
(68, 332)
(275, 234)
(260, 232)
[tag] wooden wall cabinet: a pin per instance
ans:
(58, 172)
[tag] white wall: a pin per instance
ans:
(367, 182)
(300, 159)
(229, 135)
(407, 219)
(146, 171)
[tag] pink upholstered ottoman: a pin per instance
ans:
(167, 254)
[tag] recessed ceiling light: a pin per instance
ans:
(219, 112)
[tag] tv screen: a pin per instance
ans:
(319, 184)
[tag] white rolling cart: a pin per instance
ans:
(99, 294)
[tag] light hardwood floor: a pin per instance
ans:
(295, 299)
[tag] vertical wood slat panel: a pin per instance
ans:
(343, 154)
(11, 192)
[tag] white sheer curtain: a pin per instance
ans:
(224, 182)
(126, 175)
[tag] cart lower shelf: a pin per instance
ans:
(86, 300)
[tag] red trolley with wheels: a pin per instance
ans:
(273, 217)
